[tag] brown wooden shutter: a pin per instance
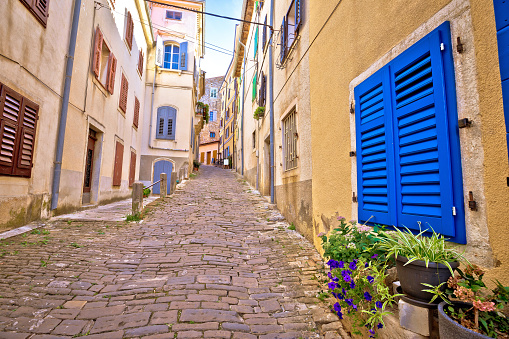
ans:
(10, 113)
(140, 62)
(41, 10)
(136, 112)
(111, 73)
(132, 168)
(123, 94)
(129, 30)
(97, 52)
(117, 168)
(26, 128)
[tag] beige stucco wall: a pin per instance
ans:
(369, 38)
(33, 63)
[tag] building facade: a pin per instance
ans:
(101, 149)
(400, 132)
(170, 141)
(209, 136)
(229, 108)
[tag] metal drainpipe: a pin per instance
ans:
(271, 103)
(243, 103)
(152, 108)
(65, 105)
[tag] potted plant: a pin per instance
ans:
(470, 310)
(146, 192)
(196, 165)
(421, 260)
(259, 112)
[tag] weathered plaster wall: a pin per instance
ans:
(369, 38)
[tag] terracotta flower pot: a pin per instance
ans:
(450, 328)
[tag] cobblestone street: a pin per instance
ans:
(214, 260)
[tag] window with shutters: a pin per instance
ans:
(213, 93)
(290, 141)
(290, 29)
(132, 168)
(264, 34)
(408, 155)
(140, 63)
(166, 123)
(174, 15)
(129, 30)
(39, 8)
(104, 63)
(212, 134)
(117, 166)
(18, 122)
(262, 92)
(255, 83)
(136, 117)
(175, 56)
(124, 91)
(254, 139)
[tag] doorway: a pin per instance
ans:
(209, 155)
(162, 166)
(266, 167)
(89, 165)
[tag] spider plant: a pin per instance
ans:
(419, 247)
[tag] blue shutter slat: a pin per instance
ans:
(172, 114)
(421, 140)
(501, 13)
(503, 52)
(374, 151)
(183, 56)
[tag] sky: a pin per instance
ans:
(219, 32)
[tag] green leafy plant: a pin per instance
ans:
(196, 164)
(133, 217)
(484, 315)
(292, 227)
(419, 247)
(73, 244)
(146, 192)
(259, 112)
(205, 108)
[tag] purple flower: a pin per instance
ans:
(333, 264)
(347, 278)
(355, 307)
(329, 274)
(341, 264)
(370, 279)
(321, 234)
(345, 272)
(353, 265)
(352, 285)
(349, 301)
(340, 315)
(378, 304)
(374, 256)
(366, 265)
(367, 296)
(337, 307)
(332, 285)
(339, 296)
(343, 290)
(336, 279)
(372, 331)
(380, 325)
(341, 218)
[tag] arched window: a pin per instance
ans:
(171, 56)
(175, 56)
(166, 123)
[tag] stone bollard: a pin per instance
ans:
(164, 185)
(137, 198)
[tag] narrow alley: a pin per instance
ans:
(214, 260)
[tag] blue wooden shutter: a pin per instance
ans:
(502, 21)
(422, 142)
(172, 121)
(183, 56)
(375, 168)
(282, 33)
(162, 123)
(297, 16)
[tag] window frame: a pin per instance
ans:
(165, 114)
(36, 7)
(172, 54)
(174, 15)
(290, 140)
(110, 69)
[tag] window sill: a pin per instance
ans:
(121, 112)
(100, 85)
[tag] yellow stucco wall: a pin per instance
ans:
(361, 37)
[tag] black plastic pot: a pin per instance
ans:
(450, 329)
(415, 273)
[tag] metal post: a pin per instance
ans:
(65, 105)
(164, 184)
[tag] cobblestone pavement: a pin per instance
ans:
(212, 261)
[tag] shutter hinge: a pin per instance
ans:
(472, 204)
(352, 110)
(354, 197)
(442, 46)
(454, 210)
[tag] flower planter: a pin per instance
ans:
(450, 329)
(415, 273)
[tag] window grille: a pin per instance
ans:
(290, 141)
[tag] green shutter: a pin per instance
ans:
(254, 85)
(256, 42)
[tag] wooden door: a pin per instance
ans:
(162, 167)
(89, 165)
(208, 157)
